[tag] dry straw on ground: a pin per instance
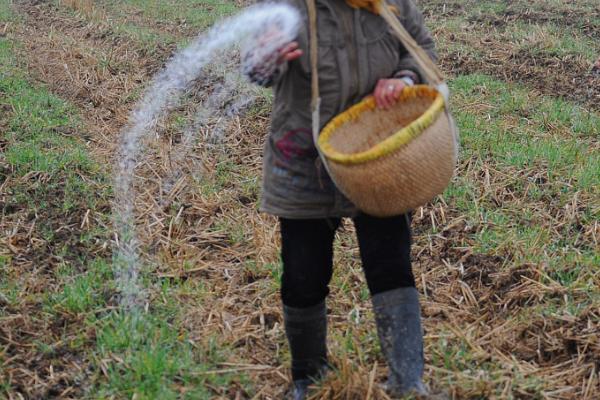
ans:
(468, 299)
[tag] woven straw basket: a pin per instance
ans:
(388, 162)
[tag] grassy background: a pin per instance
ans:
(507, 260)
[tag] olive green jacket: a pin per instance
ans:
(356, 49)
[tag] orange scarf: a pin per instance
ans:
(369, 5)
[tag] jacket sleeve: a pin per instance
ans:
(261, 70)
(412, 19)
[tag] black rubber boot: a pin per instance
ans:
(306, 331)
(398, 317)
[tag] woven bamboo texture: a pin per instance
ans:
(388, 162)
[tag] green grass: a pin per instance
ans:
(82, 293)
(577, 16)
(152, 354)
(522, 137)
(50, 181)
(199, 14)
(155, 360)
(146, 36)
(145, 29)
(540, 153)
(38, 133)
(550, 40)
(6, 12)
(549, 47)
(536, 40)
(53, 180)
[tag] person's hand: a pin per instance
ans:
(263, 57)
(289, 52)
(387, 91)
(270, 46)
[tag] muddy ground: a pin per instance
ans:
(62, 50)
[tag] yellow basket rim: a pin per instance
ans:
(393, 142)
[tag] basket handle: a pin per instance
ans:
(428, 68)
(315, 99)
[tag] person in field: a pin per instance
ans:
(358, 56)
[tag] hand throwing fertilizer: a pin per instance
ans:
(388, 162)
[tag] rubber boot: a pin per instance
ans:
(398, 318)
(306, 331)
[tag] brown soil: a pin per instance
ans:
(582, 20)
(471, 295)
(88, 64)
(39, 360)
(486, 51)
(570, 79)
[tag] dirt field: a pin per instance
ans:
(507, 260)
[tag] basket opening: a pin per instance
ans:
(376, 125)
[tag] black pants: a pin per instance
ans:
(307, 254)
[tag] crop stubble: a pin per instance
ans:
(468, 298)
